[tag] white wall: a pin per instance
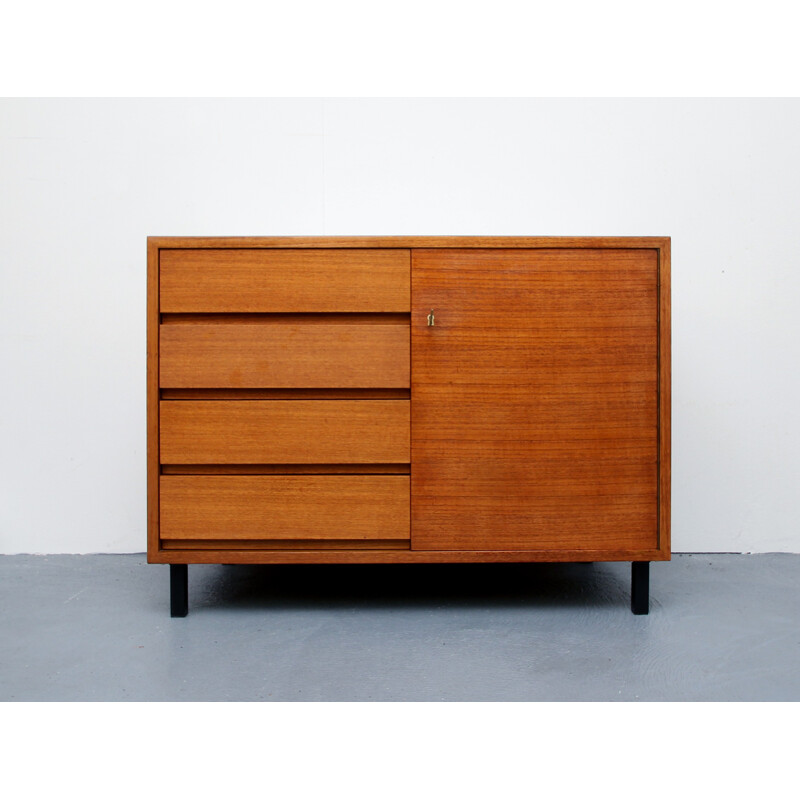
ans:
(83, 182)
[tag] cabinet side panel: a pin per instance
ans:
(665, 399)
(152, 399)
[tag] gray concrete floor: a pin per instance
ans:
(721, 627)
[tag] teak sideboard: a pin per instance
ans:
(408, 399)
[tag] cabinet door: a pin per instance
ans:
(534, 399)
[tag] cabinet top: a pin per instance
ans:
(653, 242)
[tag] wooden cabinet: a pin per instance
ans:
(411, 399)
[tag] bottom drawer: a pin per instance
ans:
(284, 507)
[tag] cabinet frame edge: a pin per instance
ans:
(664, 398)
(153, 460)
(409, 242)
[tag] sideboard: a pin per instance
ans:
(408, 399)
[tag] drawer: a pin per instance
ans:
(285, 431)
(270, 281)
(238, 355)
(281, 507)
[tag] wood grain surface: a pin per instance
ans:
(152, 399)
(286, 394)
(665, 398)
(349, 468)
(232, 507)
(534, 399)
(285, 431)
(328, 318)
(232, 554)
(245, 280)
(243, 545)
(541, 397)
(384, 242)
(238, 356)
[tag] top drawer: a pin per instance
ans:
(284, 281)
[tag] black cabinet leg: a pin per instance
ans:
(179, 590)
(640, 587)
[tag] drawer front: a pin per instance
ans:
(238, 355)
(285, 432)
(284, 507)
(263, 281)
